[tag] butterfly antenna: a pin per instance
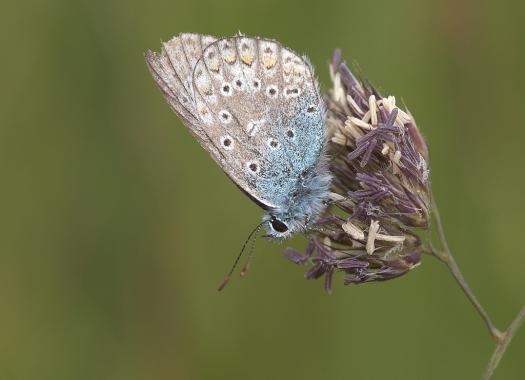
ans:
(227, 278)
(250, 255)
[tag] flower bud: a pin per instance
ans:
(380, 189)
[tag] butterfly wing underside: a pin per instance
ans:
(172, 70)
(252, 103)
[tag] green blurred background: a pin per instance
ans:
(114, 232)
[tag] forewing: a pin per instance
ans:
(259, 104)
(172, 70)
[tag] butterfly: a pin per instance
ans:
(255, 106)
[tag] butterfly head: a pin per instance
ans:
(282, 225)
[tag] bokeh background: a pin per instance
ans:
(116, 227)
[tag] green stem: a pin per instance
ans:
(446, 257)
(502, 338)
(501, 346)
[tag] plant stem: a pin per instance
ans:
(503, 344)
(446, 257)
(502, 339)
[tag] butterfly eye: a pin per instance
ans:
(278, 226)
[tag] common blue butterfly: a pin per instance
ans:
(255, 106)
